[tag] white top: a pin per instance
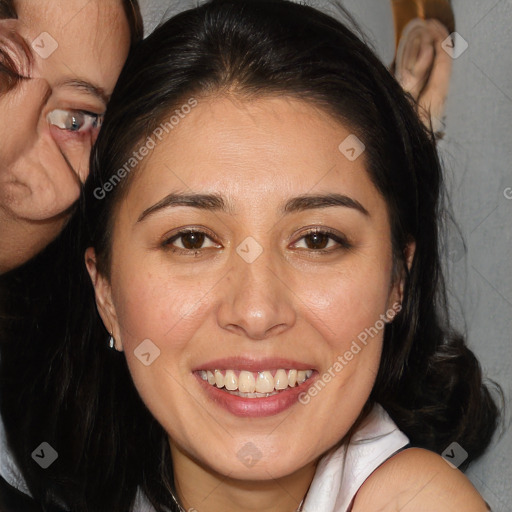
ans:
(334, 485)
(8, 469)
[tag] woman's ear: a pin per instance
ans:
(397, 293)
(409, 252)
(104, 302)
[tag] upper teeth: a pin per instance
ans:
(260, 382)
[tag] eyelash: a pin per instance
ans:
(167, 244)
(60, 117)
(8, 67)
(343, 243)
(14, 60)
(10, 70)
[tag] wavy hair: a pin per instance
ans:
(78, 395)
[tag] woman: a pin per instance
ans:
(52, 100)
(56, 75)
(261, 231)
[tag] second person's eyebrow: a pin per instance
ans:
(86, 87)
(214, 202)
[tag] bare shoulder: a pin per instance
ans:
(417, 480)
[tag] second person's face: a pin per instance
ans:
(74, 52)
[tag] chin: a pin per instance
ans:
(250, 463)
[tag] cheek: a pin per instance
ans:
(343, 305)
(346, 312)
(166, 311)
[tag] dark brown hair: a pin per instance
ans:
(78, 395)
(7, 9)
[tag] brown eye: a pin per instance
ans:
(193, 240)
(322, 241)
(317, 240)
(190, 240)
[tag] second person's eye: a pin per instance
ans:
(75, 121)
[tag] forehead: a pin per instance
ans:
(254, 153)
(92, 37)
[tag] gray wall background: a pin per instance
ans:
(477, 155)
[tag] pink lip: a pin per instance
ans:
(254, 407)
(252, 365)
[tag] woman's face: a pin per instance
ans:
(49, 123)
(220, 262)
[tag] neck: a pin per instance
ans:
(200, 488)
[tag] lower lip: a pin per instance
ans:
(255, 407)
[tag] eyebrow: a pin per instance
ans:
(86, 87)
(215, 202)
(210, 202)
(310, 202)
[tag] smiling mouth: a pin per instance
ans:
(248, 384)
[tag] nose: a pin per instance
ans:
(256, 300)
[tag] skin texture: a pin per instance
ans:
(417, 480)
(42, 165)
(291, 302)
